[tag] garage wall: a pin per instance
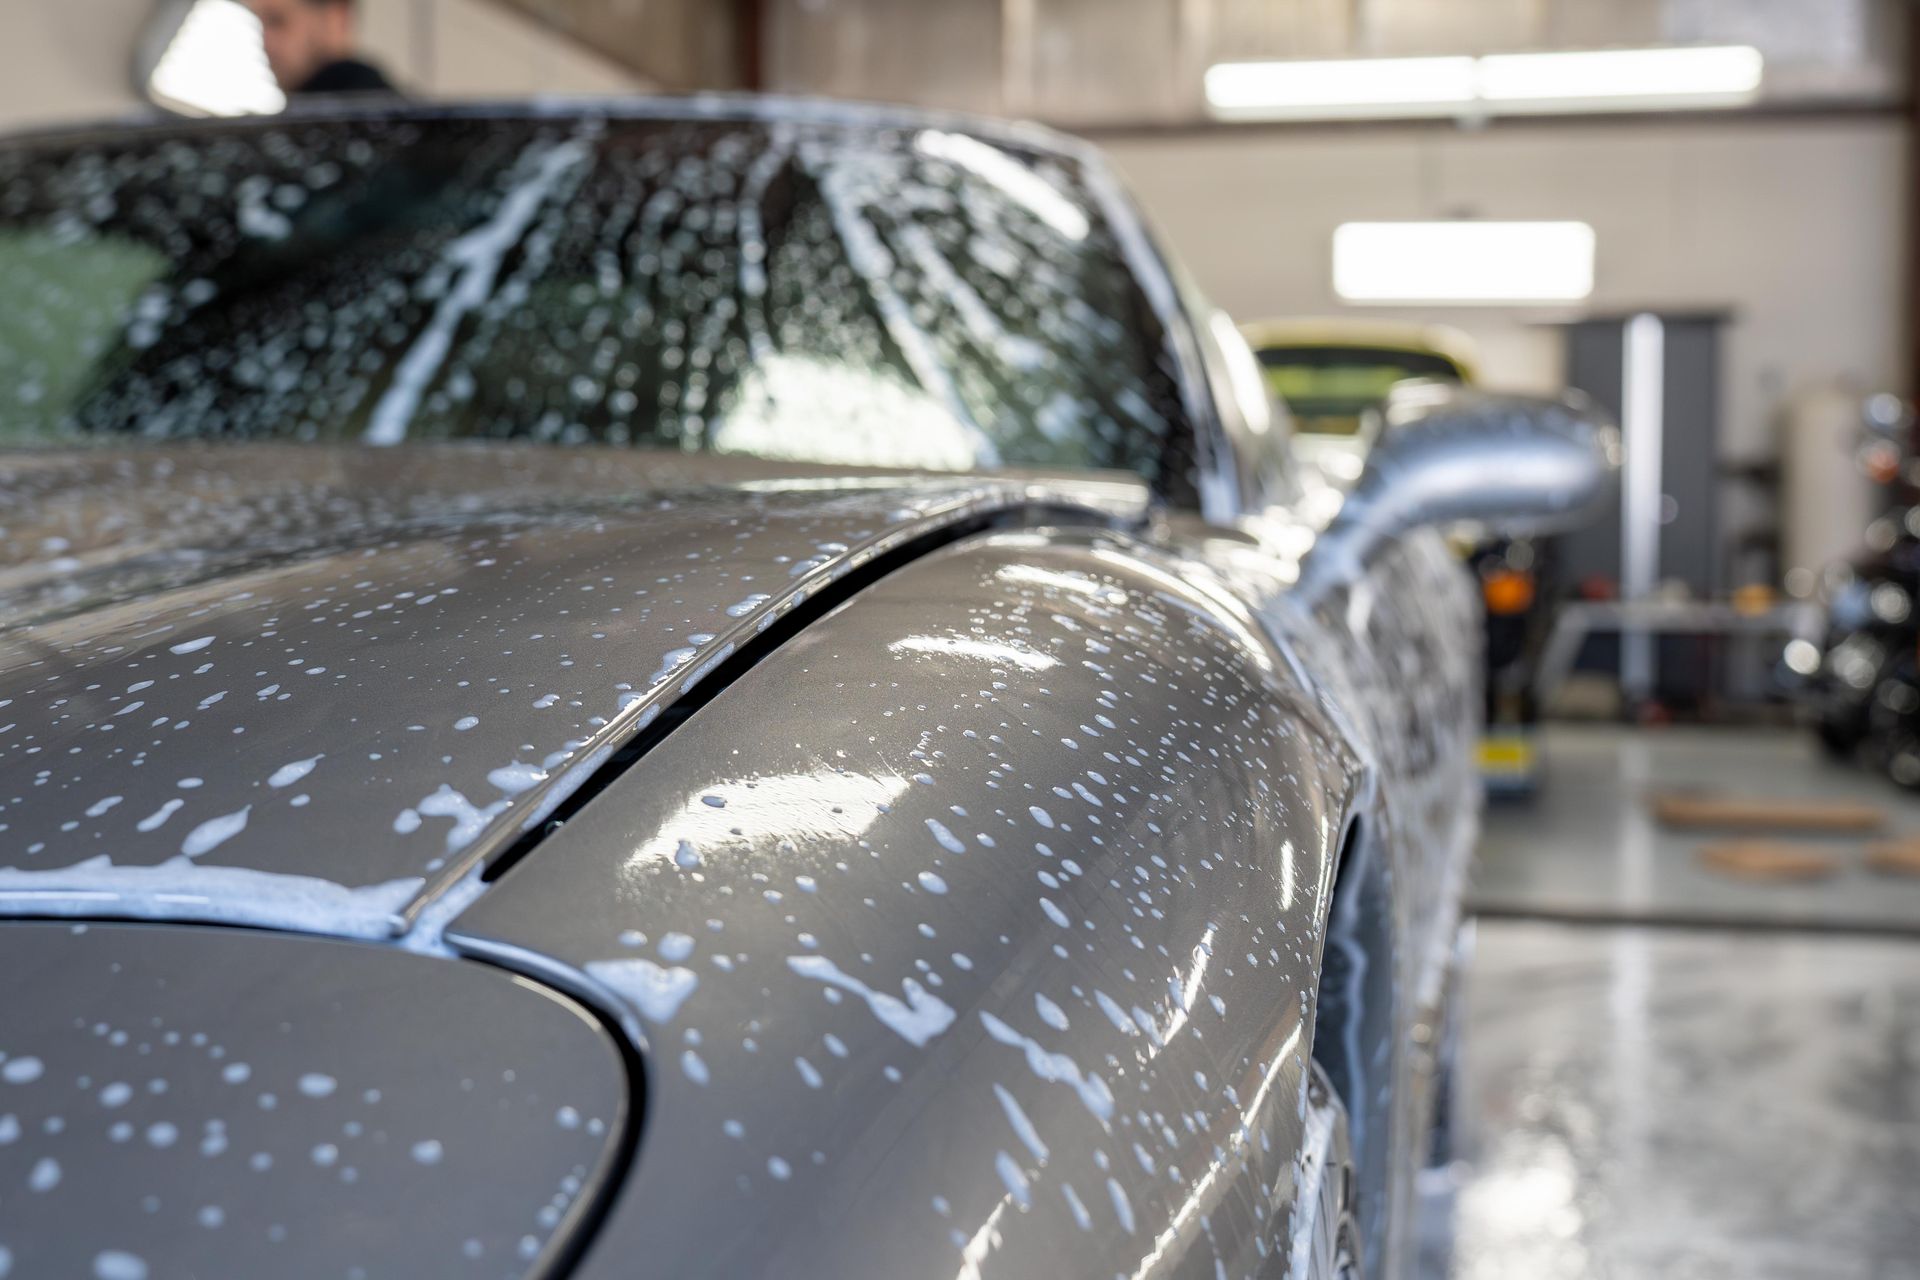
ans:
(72, 60)
(478, 48)
(1792, 226)
(67, 61)
(1129, 63)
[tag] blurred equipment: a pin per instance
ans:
(1744, 616)
(1863, 683)
(1333, 376)
(1664, 544)
(1824, 488)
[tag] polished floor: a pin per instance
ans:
(1689, 1100)
(1586, 848)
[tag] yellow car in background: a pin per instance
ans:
(1333, 375)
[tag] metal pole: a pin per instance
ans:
(1643, 429)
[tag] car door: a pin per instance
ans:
(1394, 651)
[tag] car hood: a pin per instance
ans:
(318, 688)
(288, 1093)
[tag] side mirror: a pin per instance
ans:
(1516, 464)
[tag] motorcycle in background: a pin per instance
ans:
(1862, 686)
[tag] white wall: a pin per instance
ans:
(1793, 226)
(63, 60)
(67, 60)
(478, 48)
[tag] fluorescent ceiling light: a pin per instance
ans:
(1597, 80)
(1463, 262)
(215, 65)
(1728, 73)
(1350, 86)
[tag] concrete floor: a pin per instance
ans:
(1585, 847)
(1680, 1101)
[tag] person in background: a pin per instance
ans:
(311, 47)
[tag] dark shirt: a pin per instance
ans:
(347, 75)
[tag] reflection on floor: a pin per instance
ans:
(1663, 1103)
(1675, 1102)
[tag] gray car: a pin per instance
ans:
(704, 688)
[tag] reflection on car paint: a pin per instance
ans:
(499, 651)
(1111, 994)
(1036, 623)
(220, 1102)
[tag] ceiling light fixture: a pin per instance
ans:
(1474, 263)
(1355, 86)
(1640, 78)
(1566, 81)
(214, 65)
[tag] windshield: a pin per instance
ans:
(805, 290)
(1329, 390)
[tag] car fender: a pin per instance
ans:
(975, 929)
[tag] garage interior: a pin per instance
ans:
(1693, 1042)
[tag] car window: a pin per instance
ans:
(826, 291)
(1254, 425)
(1330, 389)
(82, 291)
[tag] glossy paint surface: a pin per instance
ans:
(976, 928)
(889, 1019)
(1449, 453)
(1024, 730)
(197, 1102)
(1392, 658)
(322, 684)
